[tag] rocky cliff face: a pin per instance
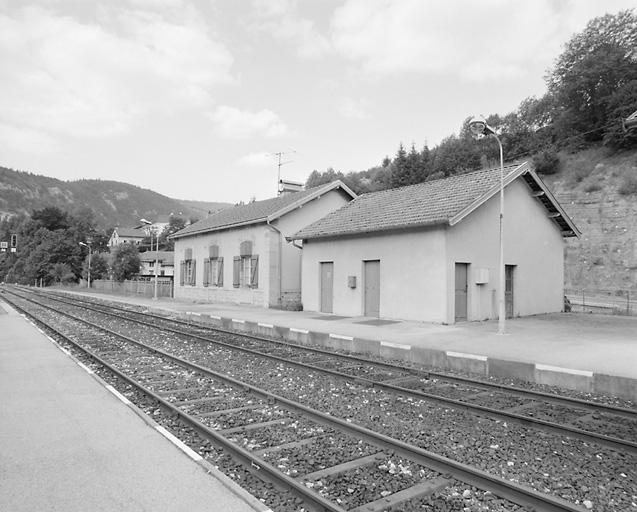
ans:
(599, 192)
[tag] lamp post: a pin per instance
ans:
(88, 282)
(480, 128)
(156, 253)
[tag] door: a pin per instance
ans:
(327, 286)
(372, 287)
(461, 291)
(508, 290)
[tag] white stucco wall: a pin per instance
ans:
(532, 242)
(228, 242)
(412, 273)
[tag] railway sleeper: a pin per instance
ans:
(254, 426)
(182, 403)
(285, 446)
(220, 412)
(424, 488)
(344, 467)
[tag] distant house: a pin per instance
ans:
(132, 236)
(166, 263)
(159, 223)
(240, 254)
(430, 251)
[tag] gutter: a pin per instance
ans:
(281, 237)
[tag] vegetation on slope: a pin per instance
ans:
(113, 203)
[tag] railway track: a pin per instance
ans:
(610, 426)
(295, 439)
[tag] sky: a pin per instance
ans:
(194, 99)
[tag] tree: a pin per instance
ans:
(316, 179)
(399, 168)
(125, 262)
(596, 65)
(62, 273)
(175, 224)
(51, 218)
(99, 266)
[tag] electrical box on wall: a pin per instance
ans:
(351, 281)
(482, 276)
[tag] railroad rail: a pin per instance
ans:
(188, 389)
(579, 419)
(362, 390)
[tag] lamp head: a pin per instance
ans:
(479, 127)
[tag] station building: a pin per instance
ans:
(430, 252)
(241, 255)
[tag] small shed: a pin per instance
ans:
(430, 252)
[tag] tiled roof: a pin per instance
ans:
(428, 203)
(131, 232)
(166, 257)
(257, 211)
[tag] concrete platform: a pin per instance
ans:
(67, 443)
(591, 353)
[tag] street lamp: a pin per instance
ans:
(480, 128)
(149, 223)
(88, 283)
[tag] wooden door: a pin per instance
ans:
(508, 290)
(372, 287)
(327, 286)
(461, 291)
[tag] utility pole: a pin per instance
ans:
(280, 163)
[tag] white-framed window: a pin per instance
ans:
(187, 274)
(213, 272)
(245, 272)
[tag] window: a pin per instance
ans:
(245, 272)
(187, 274)
(213, 272)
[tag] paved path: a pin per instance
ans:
(67, 444)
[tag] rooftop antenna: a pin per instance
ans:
(280, 163)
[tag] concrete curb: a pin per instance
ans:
(226, 481)
(580, 380)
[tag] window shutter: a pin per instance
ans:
(193, 276)
(245, 249)
(182, 271)
(236, 269)
(220, 275)
(254, 278)
(206, 271)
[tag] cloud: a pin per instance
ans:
(96, 78)
(354, 108)
(237, 124)
(475, 41)
(27, 140)
(262, 159)
(280, 19)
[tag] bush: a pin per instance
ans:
(592, 186)
(546, 162)
(628, 185)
